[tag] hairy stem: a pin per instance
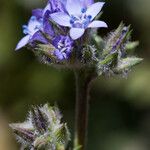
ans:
(83, 80)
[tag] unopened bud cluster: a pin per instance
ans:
(42, 129)
(116, 56)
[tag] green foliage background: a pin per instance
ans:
(120, 108)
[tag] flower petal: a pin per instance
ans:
(34, 25)
(61, 18)
(58, 54)
(74, 7)
(97, 24)
(24, 41)
(76, 33)
(47, 27)
(38, 36)
(94, 9)
(47, 8)
(64, 2)
(87, 3)
(38, 13)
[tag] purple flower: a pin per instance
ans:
(34, 26)
(79, 16)
(37, 26)
(63, 45)
(52, 6)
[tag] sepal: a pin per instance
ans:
(127, 63)
(115, 57)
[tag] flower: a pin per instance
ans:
(33, 27)
(39, 23)
(63, 45)
(79, 16)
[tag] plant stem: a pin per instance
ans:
(83, 80)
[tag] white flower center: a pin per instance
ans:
(82, 20)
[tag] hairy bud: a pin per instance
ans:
(115, 57)
(43, 129)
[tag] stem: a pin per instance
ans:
(83, 80)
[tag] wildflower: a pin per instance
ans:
(29, 30)
(63, 45)
(39, 25)
(79, 16)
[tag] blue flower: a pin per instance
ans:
(79, 16)
(37, 26)
(34, 26)
(63, 45)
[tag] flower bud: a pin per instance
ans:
(114, 58)
(43, 129)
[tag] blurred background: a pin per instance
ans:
(120, 108)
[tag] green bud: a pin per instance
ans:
(131, 45)
(43, 129)
(89, 54)
(40, 142)
(127, 63)
(114, 57)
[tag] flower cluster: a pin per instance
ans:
(43, 129)
(64, 34)
(55, 32)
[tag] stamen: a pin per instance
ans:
(89, 17)
(71, 21)
(81, 21)
(25, 29)
(83, 10)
